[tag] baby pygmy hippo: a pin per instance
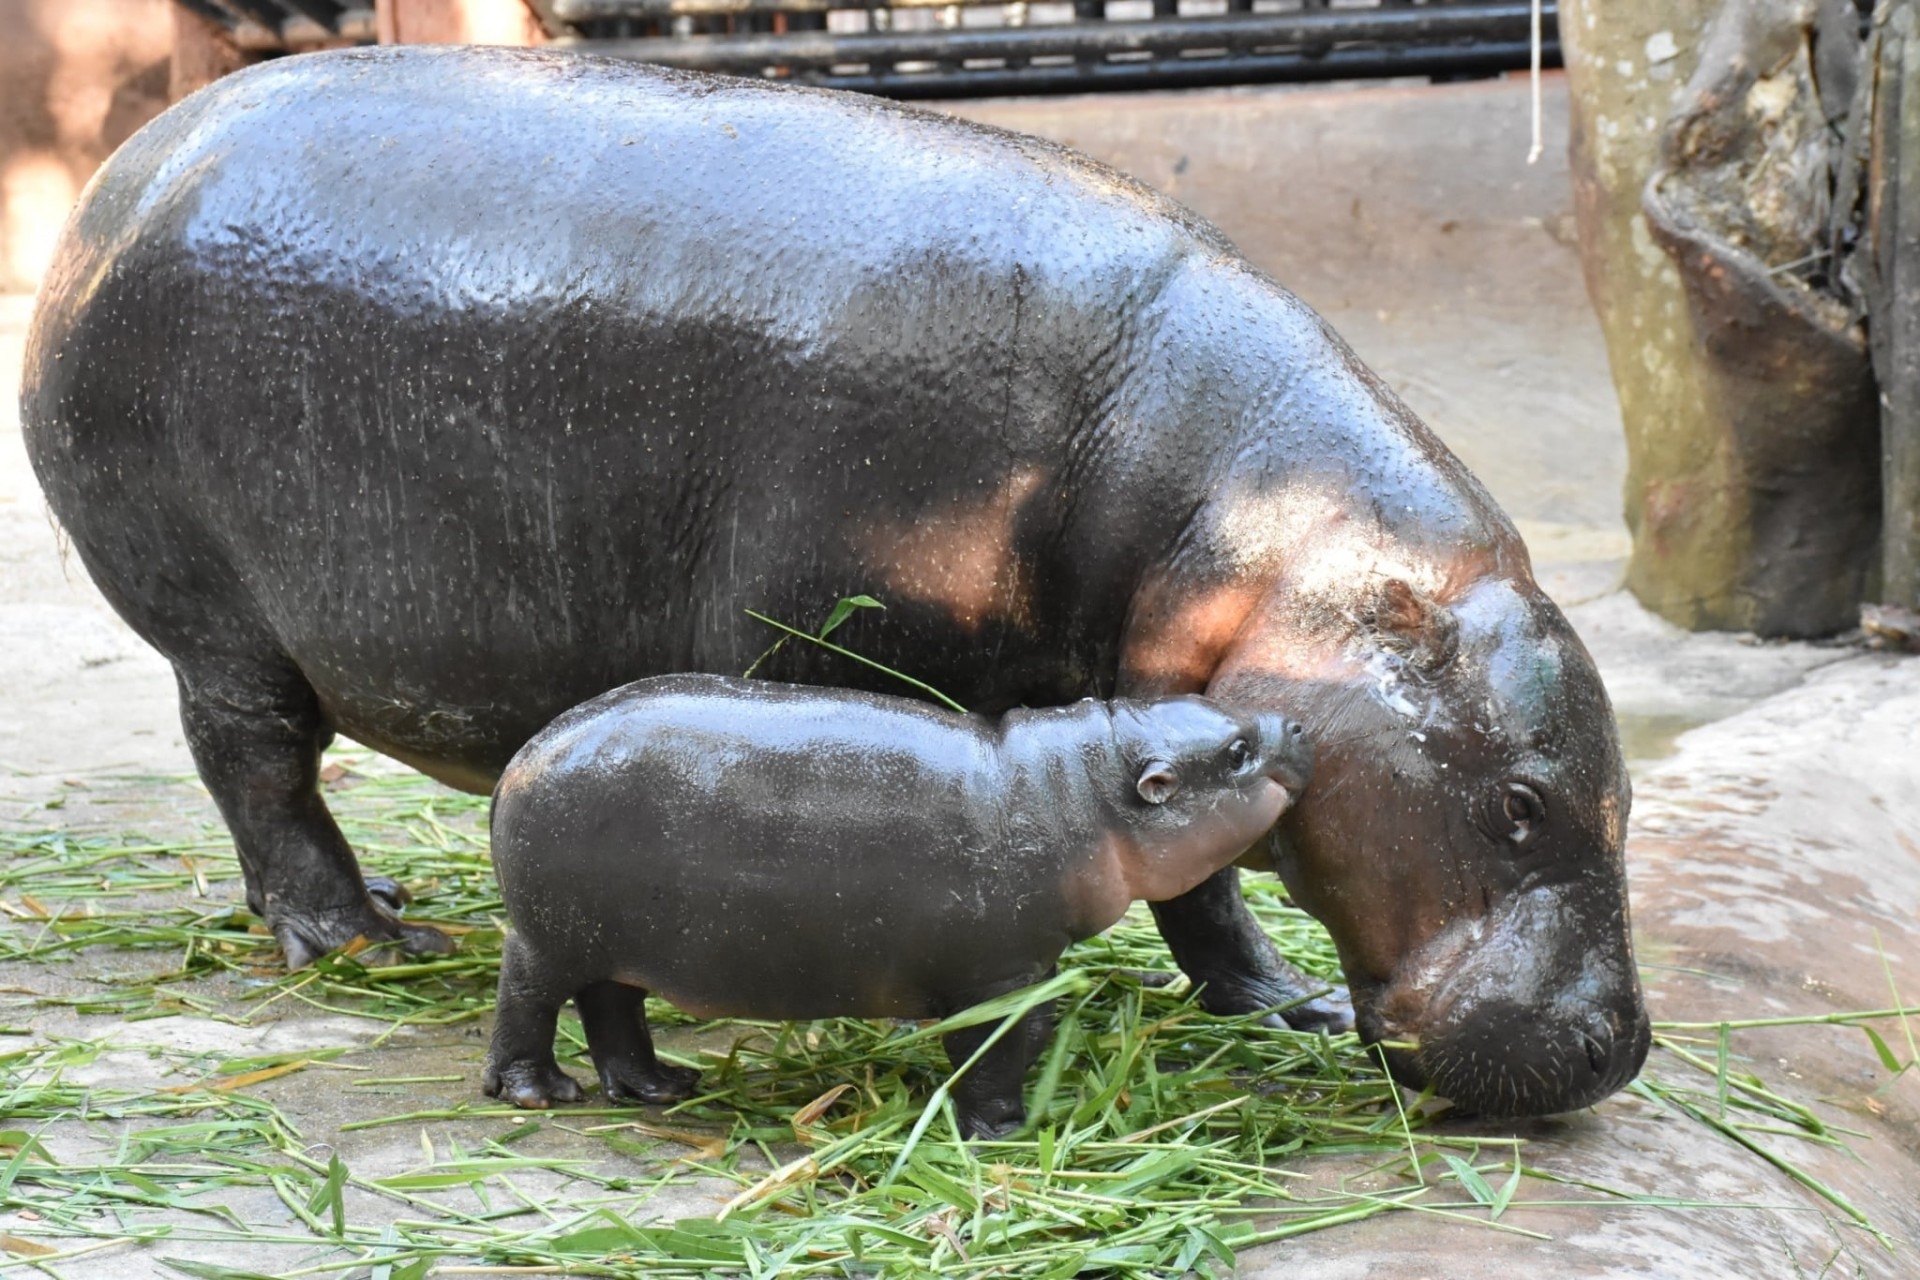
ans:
(762, 850)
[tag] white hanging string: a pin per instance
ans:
(1534, 154)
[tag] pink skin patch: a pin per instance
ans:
(1127, 870)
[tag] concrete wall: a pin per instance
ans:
(76, 78)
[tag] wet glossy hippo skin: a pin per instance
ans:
(750, 849)
(421, 394)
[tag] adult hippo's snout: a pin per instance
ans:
(1535, 1010)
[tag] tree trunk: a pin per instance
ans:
(1893, 288)
(1752, 491)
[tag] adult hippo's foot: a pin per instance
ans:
(305, 936)
(1220, 946)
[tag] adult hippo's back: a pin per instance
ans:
(421, 394)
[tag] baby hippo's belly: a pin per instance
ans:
(835, 932)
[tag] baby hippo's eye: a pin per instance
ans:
(1238, 753)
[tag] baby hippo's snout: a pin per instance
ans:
(1286, 752)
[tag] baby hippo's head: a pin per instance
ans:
(1206, 782)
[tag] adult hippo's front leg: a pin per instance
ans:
(1220, 946)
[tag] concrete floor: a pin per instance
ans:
(1775, 852)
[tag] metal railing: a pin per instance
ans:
(950, 48)
(278, 26)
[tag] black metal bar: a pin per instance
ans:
(1183, 73)
(325, 12)
(265, 12)
(578, 11)
(211, 12)
(1503, 24)
(584, 11)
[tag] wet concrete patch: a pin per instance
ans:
(1648, 737)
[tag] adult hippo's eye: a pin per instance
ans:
(1522, 812)
(1238, 753)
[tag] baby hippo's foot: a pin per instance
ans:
(534, 1086)
(658, 1083)
(991, 1123)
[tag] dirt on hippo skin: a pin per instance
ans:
(1775, 869)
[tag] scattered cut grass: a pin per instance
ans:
(1164, 1140)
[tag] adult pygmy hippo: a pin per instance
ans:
(420, 394)
(776, 851)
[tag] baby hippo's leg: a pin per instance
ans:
(990, 1099)
(520, 1063)
(615, 1016)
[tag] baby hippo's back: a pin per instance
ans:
(781, 851)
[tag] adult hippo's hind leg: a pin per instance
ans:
(521, 1068)
(256, 733)
(615, 1018)
(1220, 946)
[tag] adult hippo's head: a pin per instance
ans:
(1463, 836)
(1463, 840)
(1466, 852)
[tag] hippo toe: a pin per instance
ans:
(656, 1086)
(531, 1086)
(307, 935)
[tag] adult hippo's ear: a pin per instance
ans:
(1158, 782)
(1412, 624)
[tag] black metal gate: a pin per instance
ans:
(929, 48)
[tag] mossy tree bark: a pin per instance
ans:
(1683, 496)
(1752, 489)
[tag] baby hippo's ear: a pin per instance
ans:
(1158, 782)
